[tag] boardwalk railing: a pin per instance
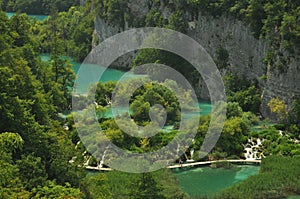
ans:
(186, 164)
(98, 168)
(211, 162)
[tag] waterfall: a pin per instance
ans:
(87, 162)
(192, 153)
(77, 144)
(251, 149)
(178, 146)
(103, 157)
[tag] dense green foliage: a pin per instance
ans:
(31, 96)
(235, 133)
(67, 33)
(37, 6)
(278, 143)
(161, 184)
(245, 92)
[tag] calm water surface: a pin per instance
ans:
(208, 181)
(109, 74)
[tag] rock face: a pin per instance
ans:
(245, 53)
(282, 83)
(103, 31)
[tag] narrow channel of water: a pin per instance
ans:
(37, 17)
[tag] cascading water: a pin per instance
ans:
(103, 157)
(87, 161)
(252, 149)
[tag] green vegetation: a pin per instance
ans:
(245, 92)
(67, 33)
(31, 96)
(235, 133)
(41, 155)
(37, 6)
(160, 184)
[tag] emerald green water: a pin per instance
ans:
(37, 17)
(205, 109)
(261, 125)
(109, 74)
(208, 181)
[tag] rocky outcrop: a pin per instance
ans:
(104, 30)
(245, 53)
(283, 81)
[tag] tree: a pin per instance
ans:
(64, 159)
(96, 186)
(62, 69)
(147, 187)
(222, 57)
(278, 107)
(233, 110)
(53, 191)
(155, 19)
(140, 110)
(10, 143)
(233, 136)
(255, 15)
(20, 28)
(32, 171)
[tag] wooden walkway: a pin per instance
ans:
(211, 162)
(185, 164)
(98, 168)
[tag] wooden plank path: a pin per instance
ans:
(211, 162)
(185, 164)
(98, 168)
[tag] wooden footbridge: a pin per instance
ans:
(186, 164)
(98, 168)
(212, 162)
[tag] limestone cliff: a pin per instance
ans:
(245, 53)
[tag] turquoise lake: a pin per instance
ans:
(206, 181)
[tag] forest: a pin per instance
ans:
(41, 155)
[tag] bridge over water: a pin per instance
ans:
(212, 162)
(186, 164)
